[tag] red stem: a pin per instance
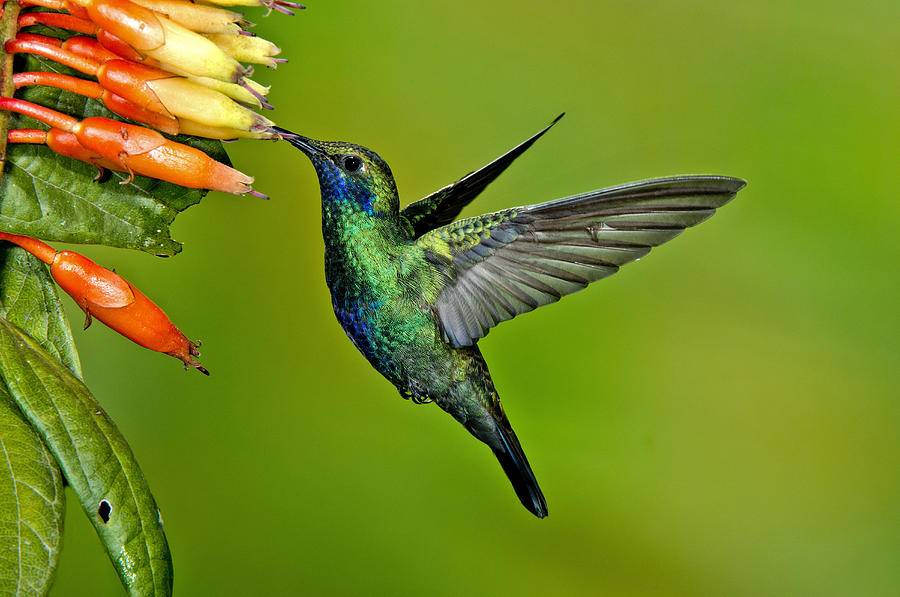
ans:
(52, 4)
(56, 19)
(45, 115)
(47, 49)
(42, 251)
(33, 136)
(60, 81)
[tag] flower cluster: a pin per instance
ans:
(172, 65)
(176, 67)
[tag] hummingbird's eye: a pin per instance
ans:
(352, 164)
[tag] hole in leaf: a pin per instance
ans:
(104, 511)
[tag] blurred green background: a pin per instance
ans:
(719, 419)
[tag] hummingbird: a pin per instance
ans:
(415, 289)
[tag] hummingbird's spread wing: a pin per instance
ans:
(506, 263)
(442, 206)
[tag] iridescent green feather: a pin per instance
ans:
(513, 261)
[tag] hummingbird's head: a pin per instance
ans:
(351, 176)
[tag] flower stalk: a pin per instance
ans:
(8, 28)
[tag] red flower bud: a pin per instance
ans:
(104, 294)
(65, 144)
(148, 153)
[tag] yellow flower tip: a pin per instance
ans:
(247, 48)
(190, 127)
(258, 88)
(196, 17)
(260, 123)
(187, 99)
(195, 54)
(250, 86)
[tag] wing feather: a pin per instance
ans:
(442, 206)
(514, 261)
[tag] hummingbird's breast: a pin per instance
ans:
(375, 299)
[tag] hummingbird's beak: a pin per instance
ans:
(304, 144)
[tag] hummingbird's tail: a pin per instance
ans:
(515, 465)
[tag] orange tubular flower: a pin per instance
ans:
(65, 144)
(142, 151)
(148, 153)
(104, 294)
(148, 88)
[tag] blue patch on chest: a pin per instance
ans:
(357, 319)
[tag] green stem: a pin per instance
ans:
(8, 29)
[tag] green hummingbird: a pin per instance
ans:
(415, 290)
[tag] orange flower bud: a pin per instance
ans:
(148, 153)
(137, 26)
(104, 294)
(130, 80)
(89, 47)
(119, 47)
(65, 144)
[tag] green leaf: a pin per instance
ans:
(52, 197)
(32, 505)
(95, 458)
(28, 299)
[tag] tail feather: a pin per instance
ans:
(515, 465)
